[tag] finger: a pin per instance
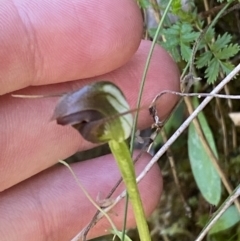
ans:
(51, 206)
(29, 138)
(44, 42)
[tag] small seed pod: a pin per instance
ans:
(95, 111)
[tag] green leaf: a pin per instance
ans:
(176, 54)
(209, 36)
(143, 3)
(221, 42)
(228, 52)
(172, 43)
(172, 50)
(152, 32)
(189, 15)
(181, 34)
(212, 71)
(218, 51)
(226, 67)
(227, 220)
(176, 6)
(187, 34)
(173, 31)
(204, 59)
(203, 170)
(185, 51)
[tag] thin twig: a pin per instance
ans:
(175, 176)
(234, 132)
(223, 127)
(37, 96)
(221, 210)
(206, 6)
(156, 10)
(199, 95)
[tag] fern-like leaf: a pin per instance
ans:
(217, 58)
(179, 35)
(212, 71)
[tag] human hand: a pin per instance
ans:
(54, 42)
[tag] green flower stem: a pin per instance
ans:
(123, 157)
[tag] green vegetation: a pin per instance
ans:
(203, 38)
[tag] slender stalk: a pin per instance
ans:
(123, 158)
(146, 70)
(142, 86)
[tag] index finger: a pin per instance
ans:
(45, 42)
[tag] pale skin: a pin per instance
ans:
(54, 42)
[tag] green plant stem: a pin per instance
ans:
(141, 91)
(123, 157)
(146, 70)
